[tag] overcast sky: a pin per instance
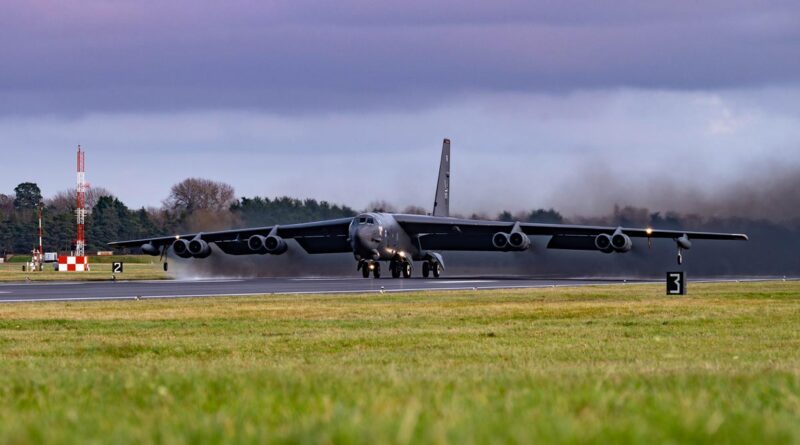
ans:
(546, 102)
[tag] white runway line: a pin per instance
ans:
(64, 299)
(120, 280)
(47, 283)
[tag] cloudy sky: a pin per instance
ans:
(565, 104)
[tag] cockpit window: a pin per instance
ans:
(366, 220)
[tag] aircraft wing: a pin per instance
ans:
(436, 233)
(315, 237)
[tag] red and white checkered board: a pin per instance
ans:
(73, 263)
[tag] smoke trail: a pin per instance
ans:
(765, 205)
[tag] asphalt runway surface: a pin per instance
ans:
(124, 290)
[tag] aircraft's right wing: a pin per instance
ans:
(436, 233)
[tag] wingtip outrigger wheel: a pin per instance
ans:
(683, 243)
(163, 255)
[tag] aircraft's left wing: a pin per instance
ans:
(328, 236)
(435, 233)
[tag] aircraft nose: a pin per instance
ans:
(367, 237)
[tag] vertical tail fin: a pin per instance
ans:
(441, 204)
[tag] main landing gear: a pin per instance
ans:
(430, 267)
(399, 267)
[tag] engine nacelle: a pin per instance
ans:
(181, 248)
(500, 240)
(621, 242)
(519, 241)
(275, 245)
(684, 242)
(199, 248)
(151, 250)
(603, 243)
(256, 244)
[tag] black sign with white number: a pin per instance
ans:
(116, 267)
(676, 283)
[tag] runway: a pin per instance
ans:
(123, 290)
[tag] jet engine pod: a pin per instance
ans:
(199, 248)
(275, 245)
(621, 242)
(256, 244)
(519, 241)
(181, 248)
(151, 250)
(684, 242)
(603, 243)
(500, 240)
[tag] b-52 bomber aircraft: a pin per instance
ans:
(401, 239)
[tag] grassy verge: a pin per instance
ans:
(136, 268)
(620, 364)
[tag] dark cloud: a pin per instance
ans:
(91, 56)
(768, 192)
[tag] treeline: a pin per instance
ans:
(192, 205)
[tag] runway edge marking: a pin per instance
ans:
(363, 291)
(254, 294)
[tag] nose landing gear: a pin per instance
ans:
(369, 267)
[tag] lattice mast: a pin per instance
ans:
(80, 209)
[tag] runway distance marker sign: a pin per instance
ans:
(676, 283)
(117, 267)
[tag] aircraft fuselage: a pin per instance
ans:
(378, 237)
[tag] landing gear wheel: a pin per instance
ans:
(426, 269)
(395, 266)
(376, 272)
(437, 270)
(365, 270)
(406, 270)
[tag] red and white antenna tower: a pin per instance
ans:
(41, 233)
(80, 241)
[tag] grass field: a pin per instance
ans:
(613, 364)
(137, 267)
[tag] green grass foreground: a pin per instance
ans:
(609, 364)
